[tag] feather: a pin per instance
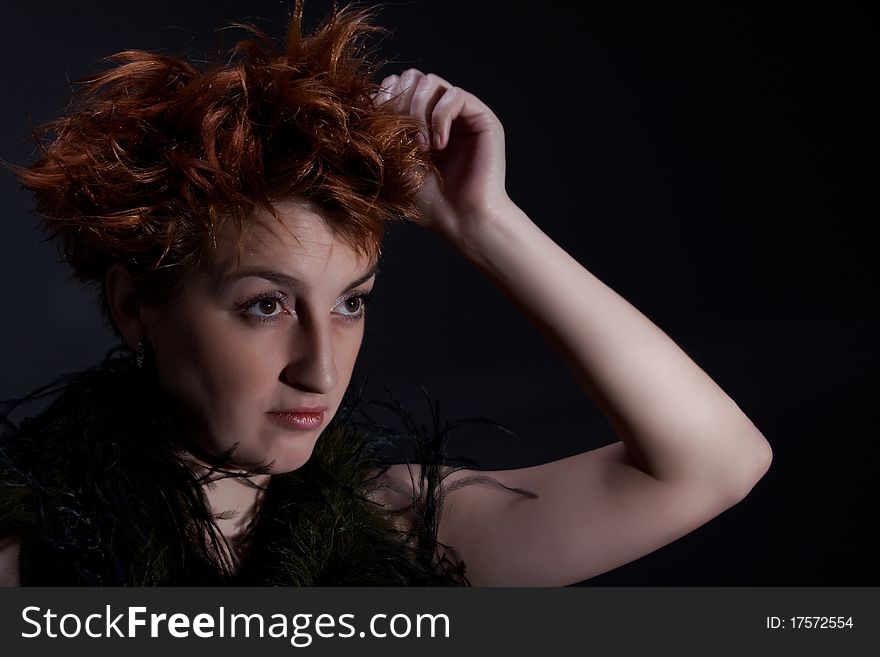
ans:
(101, 491)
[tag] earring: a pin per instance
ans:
(139, 355)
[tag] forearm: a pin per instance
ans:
(676, 423)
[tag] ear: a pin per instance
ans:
(124, 305)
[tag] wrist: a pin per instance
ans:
(482, 226)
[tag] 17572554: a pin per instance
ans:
(809, 622)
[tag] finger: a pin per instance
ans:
(429, 89)
(386, 89)
(448, 107)
(406, 87)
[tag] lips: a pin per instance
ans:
(300, 418)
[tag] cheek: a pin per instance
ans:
(216, 368)
(226, 373)
(347, 350)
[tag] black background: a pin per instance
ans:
(716, 166)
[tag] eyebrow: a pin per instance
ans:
(287, 281)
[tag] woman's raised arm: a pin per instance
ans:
(687, 451)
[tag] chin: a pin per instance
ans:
(290, 457)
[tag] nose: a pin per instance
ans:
(311, 364)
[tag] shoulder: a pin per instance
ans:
(9, 562)
(457, 497)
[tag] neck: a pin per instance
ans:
(235, 502)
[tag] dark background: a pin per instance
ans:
(716, 166)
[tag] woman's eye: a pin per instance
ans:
(264, 308)
(353, 307)
(268, 306)
(354, 304)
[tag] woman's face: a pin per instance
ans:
(248, 344)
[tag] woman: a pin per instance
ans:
(232, 218)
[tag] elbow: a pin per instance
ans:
(762, 460)
(755, 465)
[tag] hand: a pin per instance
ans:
(467, 142)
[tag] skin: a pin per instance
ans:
(686, 452)
(239, 343)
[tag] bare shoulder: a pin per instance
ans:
(399, 485)
(583, 515)
(9, 567)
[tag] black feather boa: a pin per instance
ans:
(100, 493)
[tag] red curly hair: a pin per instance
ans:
(155, 153)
